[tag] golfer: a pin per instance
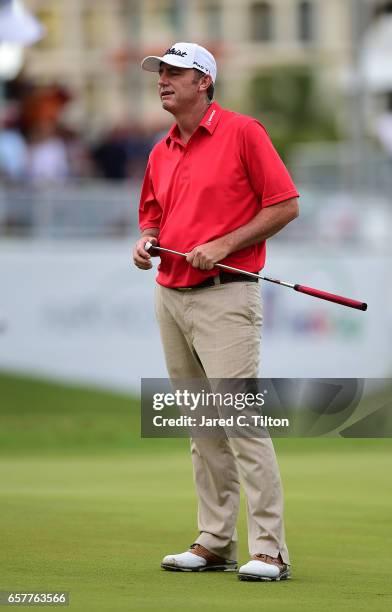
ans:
(216, 188)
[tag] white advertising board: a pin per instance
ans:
(81, 312)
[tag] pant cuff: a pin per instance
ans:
(216, 546)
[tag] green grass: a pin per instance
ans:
(87, 506)
(38, 417)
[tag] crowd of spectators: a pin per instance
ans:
(38, 148)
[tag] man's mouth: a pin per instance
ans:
(165, 94)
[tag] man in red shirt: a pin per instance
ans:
(216, 189)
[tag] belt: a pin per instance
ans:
(221, 279)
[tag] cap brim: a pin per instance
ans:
(153, 62)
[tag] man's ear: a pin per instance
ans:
(205, 82)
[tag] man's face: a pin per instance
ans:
(178, 88)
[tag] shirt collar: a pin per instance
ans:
(211, 118)
(209, 122)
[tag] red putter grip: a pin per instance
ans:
(331, 297)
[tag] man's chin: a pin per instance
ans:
(168, 105)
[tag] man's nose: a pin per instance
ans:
(163, 80)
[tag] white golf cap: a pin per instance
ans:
(183, 55)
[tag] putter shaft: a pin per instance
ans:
(148, 246)
(322, 295)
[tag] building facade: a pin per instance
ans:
(95, 47)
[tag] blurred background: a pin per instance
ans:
(78, 119)
(86, 504)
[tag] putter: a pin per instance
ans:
(317, 293)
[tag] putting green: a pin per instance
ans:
(88, 507)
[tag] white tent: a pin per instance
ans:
(377, 55)
(17, 25)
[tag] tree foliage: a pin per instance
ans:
(286, 101)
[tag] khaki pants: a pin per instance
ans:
(214, 332)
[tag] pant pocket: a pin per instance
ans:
(254, 303)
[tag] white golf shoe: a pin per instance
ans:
(265, 569)
(197, 559)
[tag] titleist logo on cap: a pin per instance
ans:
(183, 55)
(174, 51)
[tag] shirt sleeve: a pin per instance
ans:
(150, 212)
(268, 175)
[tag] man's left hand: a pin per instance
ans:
(205, 256)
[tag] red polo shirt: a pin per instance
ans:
(202, 190)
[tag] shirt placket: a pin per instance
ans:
(185, 169)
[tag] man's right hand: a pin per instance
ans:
(141, 257)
